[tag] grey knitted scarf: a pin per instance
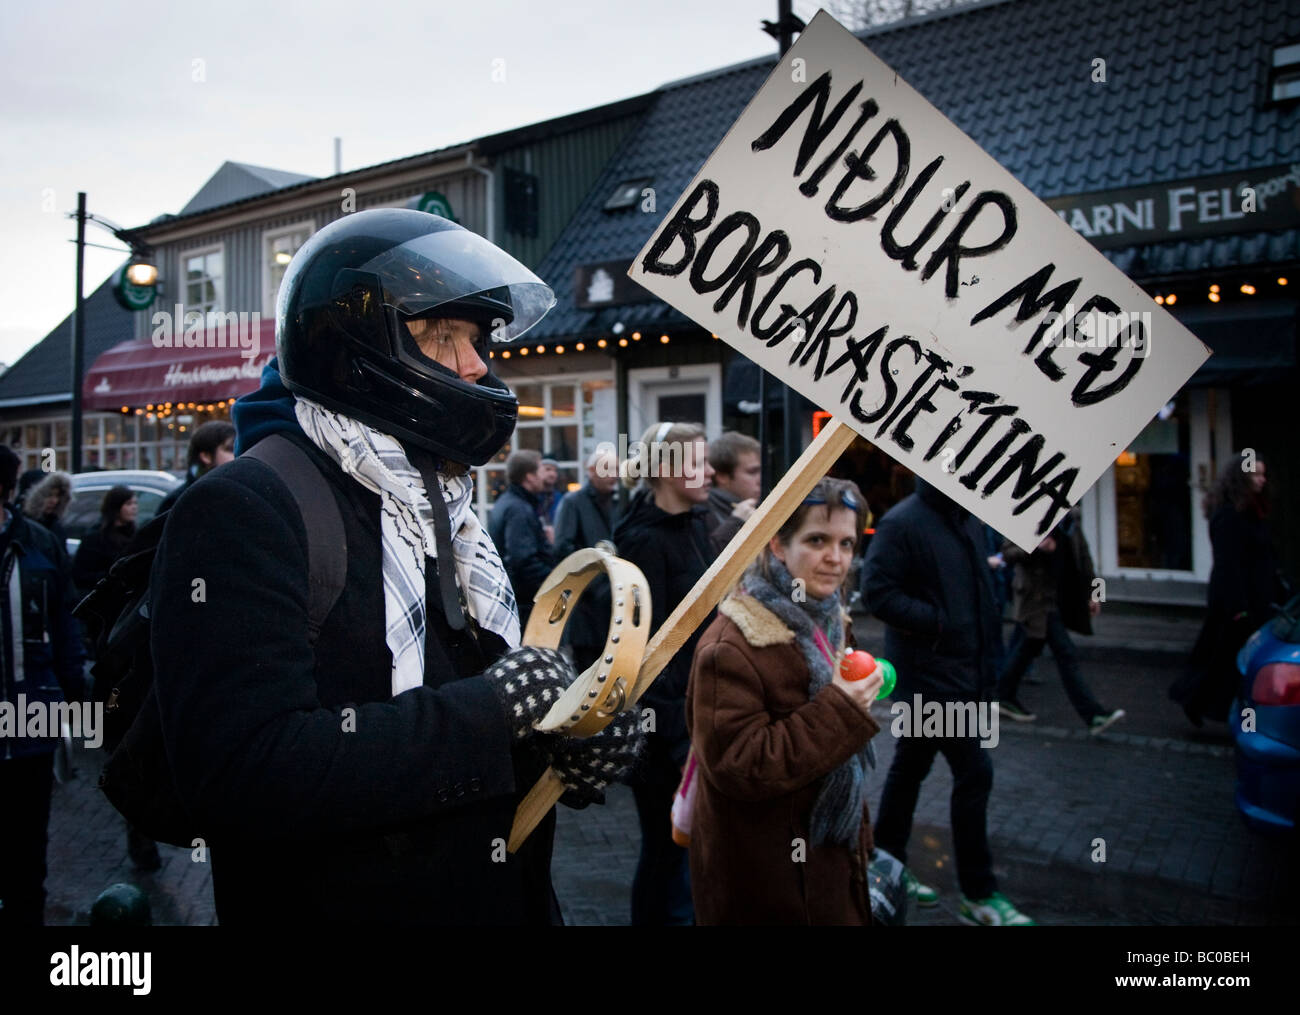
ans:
(837, 812)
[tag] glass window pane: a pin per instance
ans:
(61, 430)
(564, 443)
(531, 404)
(529, 438)
(1153, 502)
(562, 401)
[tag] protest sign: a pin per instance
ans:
(851, 240)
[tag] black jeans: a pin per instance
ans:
(661, 888)
(1067, 662)
(25, 787)
(972, 774)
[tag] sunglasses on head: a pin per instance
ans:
(845, 497)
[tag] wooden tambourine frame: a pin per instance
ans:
(744, 547)
(605, 688)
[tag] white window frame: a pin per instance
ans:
(268, 237)
(482, 504)
(211, 248)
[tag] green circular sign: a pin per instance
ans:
(129, 295)
(435, 204)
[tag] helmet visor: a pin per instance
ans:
(461, 273)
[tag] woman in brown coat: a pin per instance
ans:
(779, 832)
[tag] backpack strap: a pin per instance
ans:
(327, 547)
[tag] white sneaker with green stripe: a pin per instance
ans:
(995, 911)
(923, 894)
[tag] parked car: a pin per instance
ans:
(1268, 737)
(88, 489)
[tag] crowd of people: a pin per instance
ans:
(396, 734)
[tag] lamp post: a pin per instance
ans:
(139, 275)
(783, 29)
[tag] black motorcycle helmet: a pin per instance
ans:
(341, 339)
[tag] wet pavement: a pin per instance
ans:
(1156, 791)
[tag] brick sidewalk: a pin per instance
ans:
(1160, 797)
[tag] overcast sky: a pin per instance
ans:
(103, 97)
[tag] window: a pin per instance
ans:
(1284, 73)
(278, 248)
(204, 280)
(564, 419)
(628, 193)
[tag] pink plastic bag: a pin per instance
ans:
(684, 803)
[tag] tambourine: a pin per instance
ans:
(605, 687)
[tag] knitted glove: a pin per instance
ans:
(527, 682)
(587, 766)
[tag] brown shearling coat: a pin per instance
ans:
(763, 749)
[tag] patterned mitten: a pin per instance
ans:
(528, 681)
(587, 766)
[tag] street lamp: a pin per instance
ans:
(134, 289)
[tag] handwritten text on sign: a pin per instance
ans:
(851, 240)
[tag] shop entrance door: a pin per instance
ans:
(1148, 505)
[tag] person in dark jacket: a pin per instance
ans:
(1053, 589)
(47, 502)
(1243, 584)
(586, 517)
(211, 444)
(104, 544)
(665, 533)
(370, 777)
(737, 485)
(927, 577)
(34, 567)
(548, 497)
(517, 530)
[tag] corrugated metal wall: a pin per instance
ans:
(243, 266)
(565, 167)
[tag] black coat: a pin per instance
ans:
(927, 577)
(517, 531)
(1243, 582)
(52, 657)
(324, 798)
(584, 519)
(1244, 575)
(96, 553)
(723, 525)
(673, 552)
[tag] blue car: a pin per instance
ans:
(1268, 736)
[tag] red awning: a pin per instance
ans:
(149, 371)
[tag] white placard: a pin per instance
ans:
(852, 241)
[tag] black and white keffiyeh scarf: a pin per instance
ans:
(379, 463)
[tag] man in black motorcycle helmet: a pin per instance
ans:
(369, 775)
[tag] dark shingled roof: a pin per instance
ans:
(1181, 99)
(45, 368)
